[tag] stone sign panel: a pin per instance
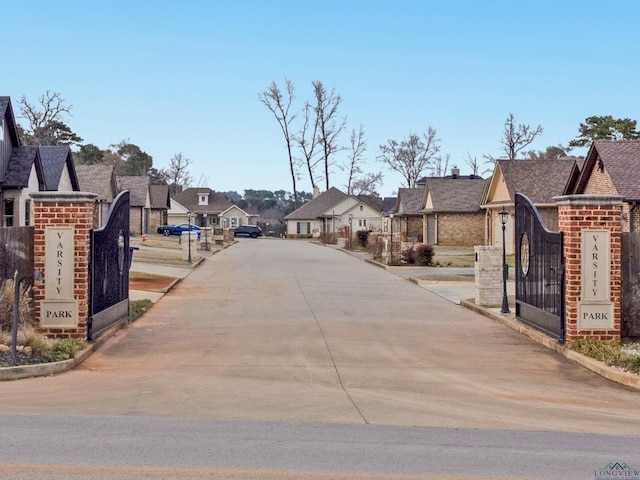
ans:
(59, 307)
(595, 310)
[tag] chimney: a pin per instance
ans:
(316, 192)
(455, 171)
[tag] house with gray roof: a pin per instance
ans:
(160, 205)
(28, 168)
(333, 213)
(206, 206)
(101, 180)
(612, 167)
(539, 180)
(408, 214)
(451, 210)
(139, 201)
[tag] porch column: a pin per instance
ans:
(62, 229)
(592, 249)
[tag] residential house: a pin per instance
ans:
(205, 205)
(235, 216)
(28, 168)
(160, 205)
(139, 202)
(613, 168)
(451, 210)
(539, 180)
(329, 212)
(408, 214)
(101, 180)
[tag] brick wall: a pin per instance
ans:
(461, 229)
(575, 214)
(64, 209)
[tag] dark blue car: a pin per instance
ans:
(167, 230)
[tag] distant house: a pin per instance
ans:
(408, 214)
(204, 204)
(101, 180)
(539, 180)
(26, 168)
(451, 210)
(139, 202)
(235, 216)
(613, 168)
(160, 205)
(331, 211)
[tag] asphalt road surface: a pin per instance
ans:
(282, 359)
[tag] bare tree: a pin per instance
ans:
(367, 184)
(330, 125)
(277, 104)
(177, 173)
(307, 141)
(475, 165)
(517, 136)
(440, 165)
(357, 147)
(46, 121)
(410, 157)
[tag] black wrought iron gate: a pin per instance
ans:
(539, 273)
(109, 269)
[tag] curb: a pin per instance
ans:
(611, 373)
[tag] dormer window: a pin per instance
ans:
(203, 198)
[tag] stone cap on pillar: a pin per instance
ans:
(588, 199)
(69, 197)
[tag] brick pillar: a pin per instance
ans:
(62, 228)
(592, 249)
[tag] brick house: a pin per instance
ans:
(451, 210)
(539, 180)
(101, 180)
(408, 214)
(139, 202)
(160, 204)
(613, 167)
(205, 205)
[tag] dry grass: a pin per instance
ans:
(7, 295)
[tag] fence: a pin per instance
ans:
(16, 251)
(630, 282)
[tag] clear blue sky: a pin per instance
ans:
(185, 76)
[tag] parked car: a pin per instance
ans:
(252, 231)
(167, 230)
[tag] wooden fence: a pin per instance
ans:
(16, 251)
(630, 283)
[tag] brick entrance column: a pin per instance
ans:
(592, 249)
(62, 229)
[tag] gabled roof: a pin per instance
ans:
(21, 162)
(621, 160)
(138, 187)
(540, 180)
(450, 194)
(6, 112)
(159, 195)
(98, 179)
(190, 198)
(409, 201)
(316, 207)
(388, 204)
(54, 159)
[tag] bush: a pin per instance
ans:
(611, 353)
(7, 292)
(363, 238)
(424, 254)
(409, 256)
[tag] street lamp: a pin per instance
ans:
(189, 217)
(391, 247)
(504, 216)
(206, 227)
(350, 229)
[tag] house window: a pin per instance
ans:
(303, 228)
(7, 212)
(27, 213)
(360, 207)
(359, 223)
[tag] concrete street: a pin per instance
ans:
(276, 330)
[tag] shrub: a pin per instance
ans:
(138, 307)
(610, 352)
(424, 254)
(363, 238)
(6, 305)
(409, 255)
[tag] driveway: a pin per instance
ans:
(282, 330)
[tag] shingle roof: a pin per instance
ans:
(389, 204)
(6, 111)
(97, 179)
(138, 187)
(19, 168)
(190, 198)
(621, 160)
(540, 180)
(455, 194)
(318, 205)
(54, 159)
(159, 196)
(409, 201)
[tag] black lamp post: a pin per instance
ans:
(350, 229)
(391, 247)
(189, 217)
(504, 216)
